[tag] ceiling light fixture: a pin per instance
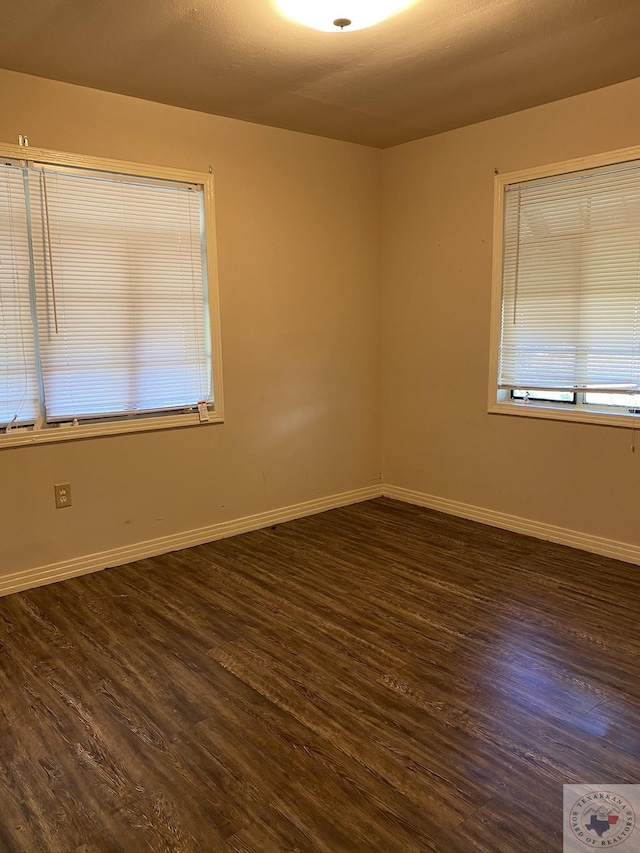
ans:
(331, 15)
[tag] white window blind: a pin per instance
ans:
(18, 375)
(571, 282)
(118, 299)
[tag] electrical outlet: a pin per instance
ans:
(63, 495)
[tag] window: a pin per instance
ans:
(566, 298)
(108, 300)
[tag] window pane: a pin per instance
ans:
(629, 401)
(551, 396)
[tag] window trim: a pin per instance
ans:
(26, 435)
(499, 400)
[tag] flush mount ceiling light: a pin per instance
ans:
(331, 15)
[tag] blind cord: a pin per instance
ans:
(53, 284)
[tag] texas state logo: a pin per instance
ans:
(601, 817)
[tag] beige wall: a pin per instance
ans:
(298, 248)
(300, 228)
(438, 437)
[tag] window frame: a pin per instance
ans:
(68, 430)
(501, 401)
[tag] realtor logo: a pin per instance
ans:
(599, 817)
(603, 820)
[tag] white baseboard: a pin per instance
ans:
(39, 576)
(53, 572)
(564, 536)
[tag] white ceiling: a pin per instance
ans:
(438, 65)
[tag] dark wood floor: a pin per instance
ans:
(377, 678)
